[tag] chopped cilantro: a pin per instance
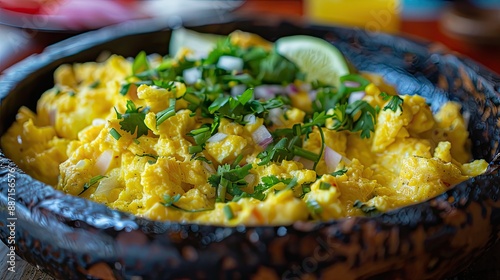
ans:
(124, 88)
(339, 172)
(168, 201)
(94, 84)
(314, 208)
(368, 210)
(395, 102)
(324, 186)
(133, 119)
(229, 180)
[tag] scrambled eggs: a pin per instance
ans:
(106, 133)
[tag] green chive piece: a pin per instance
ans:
(115, 134)
(228, 212)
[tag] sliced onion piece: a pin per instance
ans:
(312, 94)
(250, 179)
(217, 137)
(230, 63)
(238, 89)
(268, 91)
(351, 84)
(275, 116)
(104, 161)
(291, 89)
(106, 185)
(98, 121)
(262, 136)
(355, 96)
(332, 159)
(250, 119)
(208, 167)
(191, 75)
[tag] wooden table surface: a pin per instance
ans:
(487, 267)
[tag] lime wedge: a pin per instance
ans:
(317, 58)
(200, 43)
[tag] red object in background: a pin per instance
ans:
(24, 6)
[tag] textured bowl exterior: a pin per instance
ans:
(73, 238)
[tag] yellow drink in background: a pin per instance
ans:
(371, 15)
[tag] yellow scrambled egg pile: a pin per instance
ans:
(412, 155)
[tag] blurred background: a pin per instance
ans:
(469, 27)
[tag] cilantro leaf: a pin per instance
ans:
(229, 180)
(133, 119)
(395, 102)
(339, 172)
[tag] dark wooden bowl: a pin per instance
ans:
(70, 237)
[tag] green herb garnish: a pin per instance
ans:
(133, 119)
(91, 182)
(395, 102)
(368, 210)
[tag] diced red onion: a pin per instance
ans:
(308, 164)
(217, 137)
(238, 89)
(267, 91)
(191, 75)
(262, 136)
(355, 96)
(250, 119)
(291, 89)
(332, 159)
(312, 94)
(351, 84)
(230, 63)
(98, 121)
(103, 161)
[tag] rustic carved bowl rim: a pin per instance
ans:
(53, 227)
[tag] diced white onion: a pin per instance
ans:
(275, 116)
(262, 136)
(250, 119)
(238, 89)
(103, 161)
(312, 94)
(208, 167)
(230, 63)
(355, 96)
(305, 87)
(52, 116)
(332, 159)
(250, 179)
(191, 75)
(308, 164)
(268, 91)
(217, 137)
(98, 121)
(351, 84)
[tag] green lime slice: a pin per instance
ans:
(317, 58)
(200, 43)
